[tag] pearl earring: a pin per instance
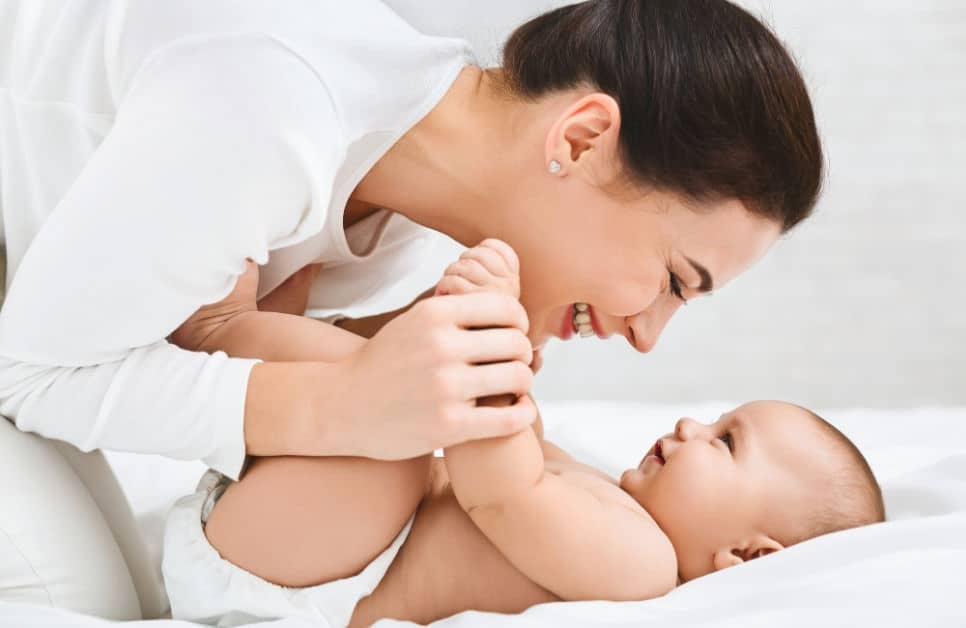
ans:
(554, 166)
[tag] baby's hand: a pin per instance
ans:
(490, 266)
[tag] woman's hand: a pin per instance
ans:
(491, 266)
(412, 387)
(461, 366)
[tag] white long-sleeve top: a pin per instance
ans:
(147, 148)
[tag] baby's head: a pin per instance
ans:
(764, 476)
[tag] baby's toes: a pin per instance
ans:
(454, 284)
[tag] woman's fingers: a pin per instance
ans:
(485, 380)
(482, 309)
(497, 345)
(491, 422)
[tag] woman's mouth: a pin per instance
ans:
(579, 318)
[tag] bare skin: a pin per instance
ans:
(504, 523)
(476, 166)
(312, 520)
(329, 517)
(446, 565)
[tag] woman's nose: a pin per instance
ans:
(644, 329)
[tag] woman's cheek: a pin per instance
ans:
(626, 300)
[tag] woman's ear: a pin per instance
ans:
(755, 547)
(586, 137)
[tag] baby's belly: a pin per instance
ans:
(447, 566)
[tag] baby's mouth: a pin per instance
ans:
(656, 453)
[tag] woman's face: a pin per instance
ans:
(585, 236)
(634, 261)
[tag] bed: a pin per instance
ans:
(906, 572)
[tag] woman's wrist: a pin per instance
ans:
(295, 408)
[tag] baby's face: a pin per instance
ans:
(714, 486)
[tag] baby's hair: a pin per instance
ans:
(850, 495)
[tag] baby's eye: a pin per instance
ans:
(727, 440)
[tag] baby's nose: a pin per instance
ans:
(686, 429)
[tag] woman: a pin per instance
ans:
(634, 154)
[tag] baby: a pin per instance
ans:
(505, 523)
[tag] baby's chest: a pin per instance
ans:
(590, 479)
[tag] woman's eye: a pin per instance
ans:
(675, 287)
(727, 440)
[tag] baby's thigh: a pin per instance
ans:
(301, 521)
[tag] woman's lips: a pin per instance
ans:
(567, 325)
(594, 323)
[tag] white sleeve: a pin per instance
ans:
(223, 148)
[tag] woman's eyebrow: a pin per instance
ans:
(707, 282)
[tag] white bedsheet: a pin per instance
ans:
(910, 571)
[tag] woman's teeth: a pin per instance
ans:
(582, 320)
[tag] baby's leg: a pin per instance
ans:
(298, 521)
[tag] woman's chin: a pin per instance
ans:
(538, 341)
(541, 330)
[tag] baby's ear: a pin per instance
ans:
(755, 547)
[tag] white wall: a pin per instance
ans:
(862, 305)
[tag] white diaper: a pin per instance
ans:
(203, 587)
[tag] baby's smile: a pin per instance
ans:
(655, 455)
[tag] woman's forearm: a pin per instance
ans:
(291, 403)
(291, 408)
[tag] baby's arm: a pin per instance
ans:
(235, 325)
(558, 533)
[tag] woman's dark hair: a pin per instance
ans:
(712, 105)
